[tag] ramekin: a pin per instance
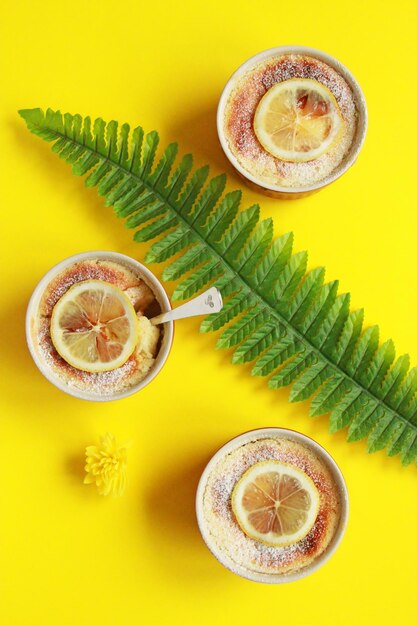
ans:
(31, 315)
(263, 433)
(362, 125)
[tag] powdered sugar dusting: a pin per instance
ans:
(224, 530)
(240, 111)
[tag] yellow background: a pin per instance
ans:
(72, 558)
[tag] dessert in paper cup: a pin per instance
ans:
(291, 120)
(272, 505)
(88, 326)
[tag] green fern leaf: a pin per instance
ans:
(319, 310)
(185, 203)
(97, 174)
(169, 245)
(385, 430)
(199, 279)
(400, 441)
(409, 452)
(228, 283)
(395, 377)
(155, 228)
(208, 199)
(379, 366)
(159, 177)
(289, 279)
(410, 411)
(261, 339)
(305, 296)
(232, 243)
(148, 213)
(131, 202)
(329, 395)
(269, 269)
(190, 259)
(364, 421)
(291, 370)
(149, 151)
(255, 249)
(329, 331)
(179, 177)
(231, 308)
(350, 404)
(406, 392)
(241, 328)
(348, 338)
(310, 381)
(295, 328)
(276, 356)
(221, 218)
(364, 351)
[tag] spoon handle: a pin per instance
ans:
(209, 301)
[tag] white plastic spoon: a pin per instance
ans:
(209, 301)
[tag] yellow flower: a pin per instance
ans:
(106, 466)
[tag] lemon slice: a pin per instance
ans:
(298, 120)
(94, 326)
(275, 503)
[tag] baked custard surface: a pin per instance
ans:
(240, 109)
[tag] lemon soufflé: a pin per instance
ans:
(92, 329)
(270, 506)
(289, 119)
